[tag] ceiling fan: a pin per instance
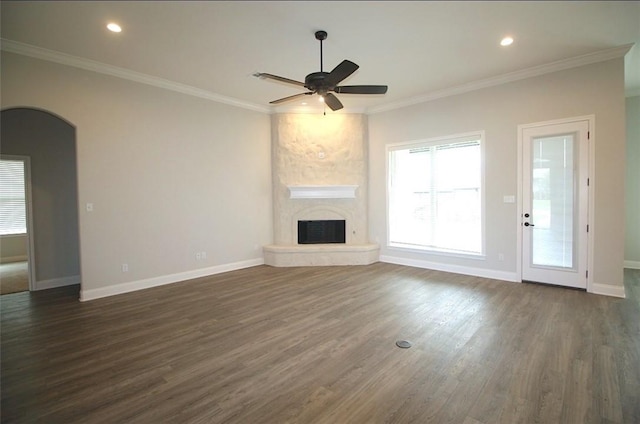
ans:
(324, 83)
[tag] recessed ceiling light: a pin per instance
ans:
(113, 27)
(506, 41)
(304, 103)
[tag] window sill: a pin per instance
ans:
(437, 252)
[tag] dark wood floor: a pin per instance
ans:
(317, 345)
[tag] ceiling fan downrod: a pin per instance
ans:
(321, 35)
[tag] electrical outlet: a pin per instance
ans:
(501, 256)
(198, 256)
(203, 255)
(125, 267)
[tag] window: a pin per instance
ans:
(12, 198)
(435, 194)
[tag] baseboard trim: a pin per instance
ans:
(162, 280)
(57, 282)
(632, 264)
(608, 290)
(11, 259)
(456, 269)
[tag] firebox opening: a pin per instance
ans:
(327, 231)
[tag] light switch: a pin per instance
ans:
(509, 199)
(89, 207)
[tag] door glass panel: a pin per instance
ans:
(553, 202)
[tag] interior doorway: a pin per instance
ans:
(49, 143)
(554, 208)
(17, 256)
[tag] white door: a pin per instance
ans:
(555, 190)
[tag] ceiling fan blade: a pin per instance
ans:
(340, 72)
(277, 78)
(361, 89)
(332, 101)
(286, 99)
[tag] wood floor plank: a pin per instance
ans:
(317, 345)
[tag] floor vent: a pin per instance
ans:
(404, 344)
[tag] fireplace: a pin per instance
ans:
(321, 231)
(319, 171)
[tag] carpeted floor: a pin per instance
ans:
(14, 277)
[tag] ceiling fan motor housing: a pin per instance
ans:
(316, 82)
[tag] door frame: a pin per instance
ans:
(31, 258)
(590, 204)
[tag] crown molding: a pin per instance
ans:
(114, 71)
(560, 65)
(103, 68)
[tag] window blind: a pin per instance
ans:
(13, 216)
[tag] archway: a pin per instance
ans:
(49, 142)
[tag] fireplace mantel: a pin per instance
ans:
(323, 192)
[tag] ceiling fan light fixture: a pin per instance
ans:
(321, 98)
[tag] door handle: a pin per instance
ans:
(526, 224)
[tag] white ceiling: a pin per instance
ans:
(415, 47)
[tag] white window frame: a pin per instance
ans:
(430, 142)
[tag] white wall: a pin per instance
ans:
(169, 175)
(632, 239)
(594, 89)
(13, 248)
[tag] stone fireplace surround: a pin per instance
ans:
(319, 173)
